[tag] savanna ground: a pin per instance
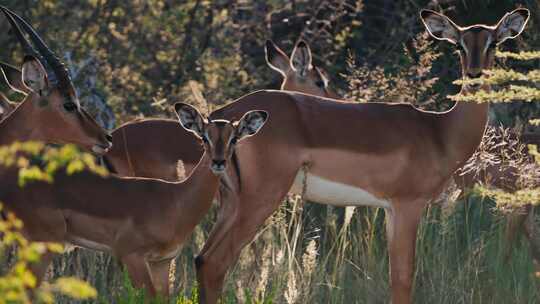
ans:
(142, 56)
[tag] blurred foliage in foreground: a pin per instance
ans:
(37, 162)
(152, 53)
(510, 85)
(18, 284)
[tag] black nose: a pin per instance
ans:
(218, 166)
(109, 138)
(219, 163)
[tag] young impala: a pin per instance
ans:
(51, 111)
(142, 221)
(387, 155)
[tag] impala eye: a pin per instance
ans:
(70, 106)
(320, 84)
(234, 140)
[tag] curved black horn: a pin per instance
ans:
(58, 67)
(28, 49)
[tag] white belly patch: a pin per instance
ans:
(81, 242)
(324, 191)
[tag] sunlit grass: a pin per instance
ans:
(459, 260)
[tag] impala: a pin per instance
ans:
(51, 111)
(316, 83)
(341, 153)
(135, 153)
(298, 73)
(142, 221)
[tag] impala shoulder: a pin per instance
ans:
(268, 100)
(272, 93)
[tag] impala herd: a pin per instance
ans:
(248, 154)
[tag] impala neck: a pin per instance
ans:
(15, 126)
(196, 192)
(464, 127)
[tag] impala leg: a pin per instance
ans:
(160, 276)
(226, 212)
(401, 228)
(532, 235)
(51, 227)
(514, 225)
(212, 265)
(40, 268)
(139, 272)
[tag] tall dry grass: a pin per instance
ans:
(309, 253)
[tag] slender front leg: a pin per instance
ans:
(139, 272)
(514, 225)
(401, 227)
(40, 268)
(160, 277)
(228, 201)
(531, 231)
(237, 230)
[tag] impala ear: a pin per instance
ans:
(190, 118)
(34, 75)
(323, 78)
(276, 58)
(13, 78)
(5, 105)
(512, 24)
(301, 58)
(439, 26)
(250, 123)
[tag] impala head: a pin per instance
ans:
(52, 104)
(219, 136)
(476, 43)
(298, 72)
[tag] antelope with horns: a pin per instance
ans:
(341, 153)
(142, 221)
(134, 153)
(51, 111)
